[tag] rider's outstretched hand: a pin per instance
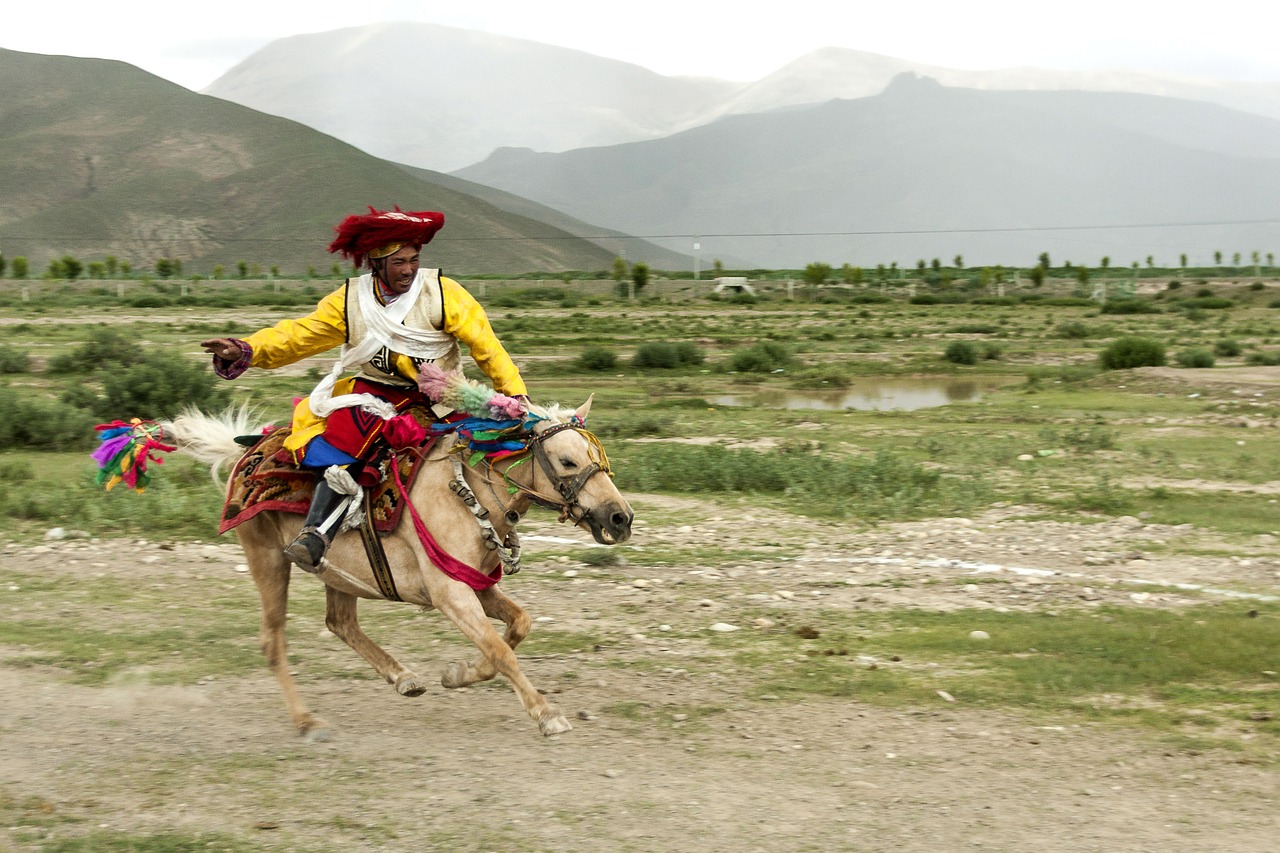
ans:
(223, 348)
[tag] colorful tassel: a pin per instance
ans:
(465, 395)
(125, 450)
(497, 425)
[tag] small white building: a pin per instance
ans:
(734, 284)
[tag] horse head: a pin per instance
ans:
(574, 462)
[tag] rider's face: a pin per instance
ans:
(399, 269)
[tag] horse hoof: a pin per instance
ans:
(554, 724)
(314, 730)
(410, 685)
(455, 676)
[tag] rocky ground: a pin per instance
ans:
(666, 755)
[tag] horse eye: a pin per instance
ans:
(568, 463)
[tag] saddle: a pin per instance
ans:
(266, 478)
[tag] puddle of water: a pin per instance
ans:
(905, 393)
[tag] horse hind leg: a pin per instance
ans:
(270, 571)
(496, 605)
(464, 610)
(340, 618)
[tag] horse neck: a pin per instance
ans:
(485, 479)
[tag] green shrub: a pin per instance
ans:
(106, 349)
(961, 352)
(666, 355)
(42, 424)
(1211, 303)
(764, 357)
(1269, 358)
(14, 360)
(827, 376)
(81, 396)
(1068, 302)
(689, 353)
(1074, 330)
(991, 351)
(148, 300)
(505, 298)
(1132, 351)
(1129, 306)
(1227, 348)
(159, 388)
(883, 486)
(598, 358)
(1195, 357)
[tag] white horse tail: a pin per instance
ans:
(211, 438)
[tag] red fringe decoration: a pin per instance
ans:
(358, 235)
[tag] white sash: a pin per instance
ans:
(385, 329)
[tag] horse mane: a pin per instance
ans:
(554, 412)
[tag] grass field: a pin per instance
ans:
(1091, 554)
(1091, 433)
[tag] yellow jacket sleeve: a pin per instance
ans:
(467, 322)
(293, 340)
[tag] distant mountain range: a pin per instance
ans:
(821, 160)
(100, 158)
(562, 160)
(457, 95)
(923, 171)
(441, 98)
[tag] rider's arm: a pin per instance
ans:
(466, 321)
(285, 342)
(293, 340)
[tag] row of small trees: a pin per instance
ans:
(72, 268)
(820, 273)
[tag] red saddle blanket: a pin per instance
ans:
(266, 478)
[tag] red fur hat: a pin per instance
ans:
(379, 233)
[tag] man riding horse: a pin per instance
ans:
(390, 322)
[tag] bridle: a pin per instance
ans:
(568, 488)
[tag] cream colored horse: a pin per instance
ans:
(568, 474)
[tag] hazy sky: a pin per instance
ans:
(192, 44)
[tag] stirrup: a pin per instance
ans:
(307, 550)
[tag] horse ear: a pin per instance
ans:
(581, 413)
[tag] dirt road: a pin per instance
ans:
(669, 753)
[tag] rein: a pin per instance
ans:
(568, 488)
(443, 560)
(508, 548)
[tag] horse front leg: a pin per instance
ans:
(463, 608)
(496, 605)
(340, 618)
(270, 571)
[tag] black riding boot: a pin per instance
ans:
(308, 549)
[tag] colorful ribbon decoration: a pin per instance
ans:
(125, 450)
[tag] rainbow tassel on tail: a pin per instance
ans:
(125, 450)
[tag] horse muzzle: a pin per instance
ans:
(610, 525)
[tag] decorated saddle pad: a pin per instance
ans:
(266, 478)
